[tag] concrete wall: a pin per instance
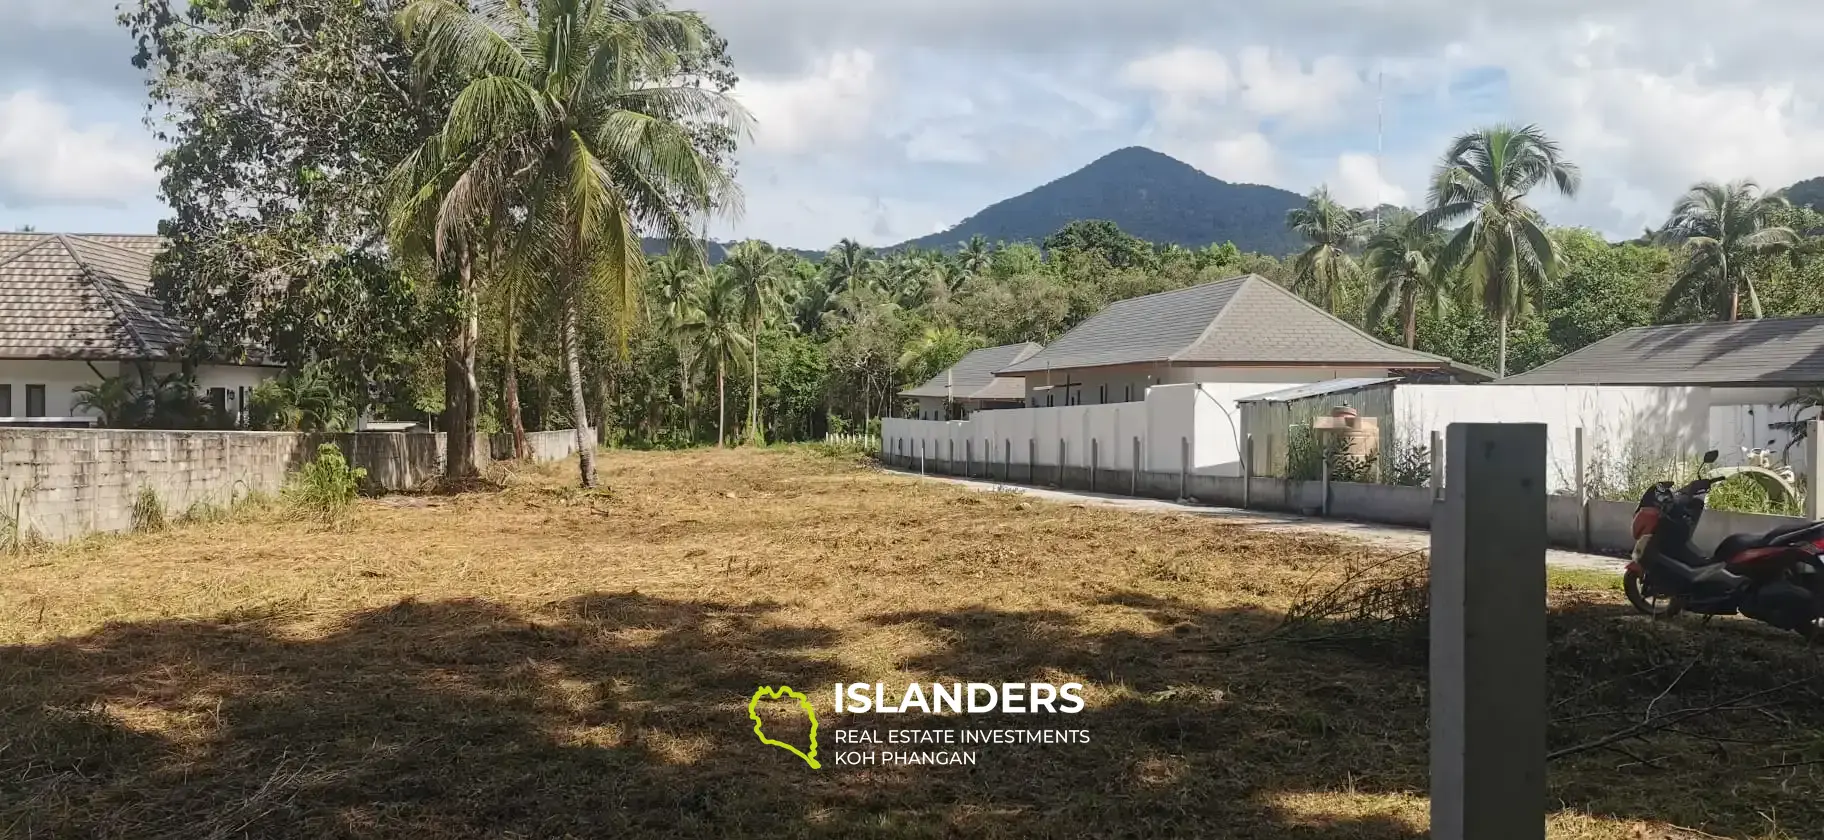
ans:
(63, 483)
(1621, 423)
(1129, 383)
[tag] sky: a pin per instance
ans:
(885, 120)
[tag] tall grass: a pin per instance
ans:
(326, 488)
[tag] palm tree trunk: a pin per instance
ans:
(515, 417)
(721, 403)
(1411, 311)
(585, 442)
(753, 393)
(461, 395)
(1502, 371)
(1735, 304)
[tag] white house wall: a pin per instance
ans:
(1124, 381)
(59, 379)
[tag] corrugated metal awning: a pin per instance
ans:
(1318, 389)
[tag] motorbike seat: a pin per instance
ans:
(1737, 543)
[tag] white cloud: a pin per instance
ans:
(1359, 181)
(1182, 72)
(1247, 158)
(1276, 84)
(832, 103)
(46, 160)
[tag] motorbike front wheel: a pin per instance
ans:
(1657, 605)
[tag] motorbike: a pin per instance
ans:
(1776, 578)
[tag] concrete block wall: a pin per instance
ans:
(64, 483)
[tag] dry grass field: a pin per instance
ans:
(531, 661)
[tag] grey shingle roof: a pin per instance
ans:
(1768, 352)
(1243, 320)
(81, 297)
(973, 377)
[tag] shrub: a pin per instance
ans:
(1410, 467)
(325, 488)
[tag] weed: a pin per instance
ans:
(326, 488)
(148, 511)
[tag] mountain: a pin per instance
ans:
(1150, 195)
(716, 251)
(1806, 193)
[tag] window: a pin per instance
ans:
(1048, 400)
(6, 400)
(1101, 395)
(34, 400)
(218, 405)
(1129, 397)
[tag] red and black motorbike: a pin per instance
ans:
(1775, 578)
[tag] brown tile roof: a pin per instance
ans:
(64, 296)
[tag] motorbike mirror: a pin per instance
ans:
(1710, 457)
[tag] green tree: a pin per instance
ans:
(1502, 251)
(1724, 228)
(851, 265)
(933, 350)
(1331, 230)
(1398, 258)
(1100, 236)
(577, 115)
(754, 267)
(719, 318)
(976, 255)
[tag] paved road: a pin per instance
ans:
(1390, 536)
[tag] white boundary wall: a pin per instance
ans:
(1620, 422)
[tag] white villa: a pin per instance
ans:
(74, 308)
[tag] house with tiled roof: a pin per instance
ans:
(75, 308)
(970, 385)
(1246, 331)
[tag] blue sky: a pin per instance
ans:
(891, 119)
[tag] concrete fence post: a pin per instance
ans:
(1032, 461)
(969, 458)
(1247, 471)
(1488, 687)
(1580, 471)
(950, 456)
(1324, 480)
(1814, 470)
(1060, 462)
(921, 456)
(1133, 474)
(1437, 466)
(1184, 468)
(1095, 448)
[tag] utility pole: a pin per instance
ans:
(1380, 140)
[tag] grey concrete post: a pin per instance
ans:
(1006, 459)
(1060, 462)
(1032, 461)
(1814, 470)
(921, 456)
(1184, 467)
(1437, 466)
(1324, 480)
(1134, 473)
(1247, 471)
(950, 456)
(1488, 693)
(1095, 448)
(1581, 476)
(969, 457)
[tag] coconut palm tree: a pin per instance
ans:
(1723, 228)
(1502, 249)
(673, 281)
(718, 301)
(1398, 261)
(755, 267)
(1332, 230)
(976, 255)
(851, 265)
(571, 115)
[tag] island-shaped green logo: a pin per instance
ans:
(753, 714)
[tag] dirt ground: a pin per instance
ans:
(535, 661)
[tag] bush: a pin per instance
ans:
(325, 488)
(148, 511)
(1410, 467)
